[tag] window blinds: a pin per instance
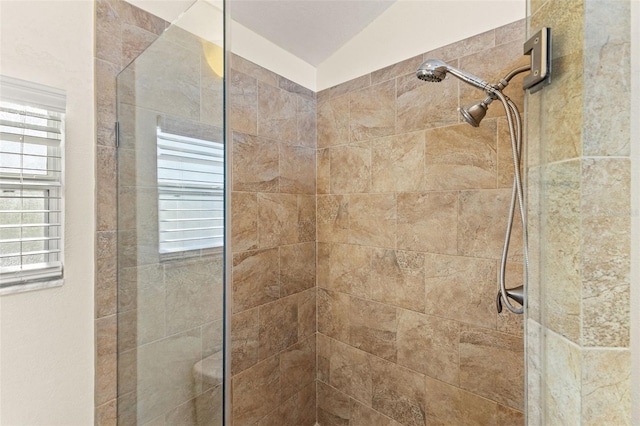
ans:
(31, 136)
(190, 193)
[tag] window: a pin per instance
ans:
(31, 209)
(190, 193)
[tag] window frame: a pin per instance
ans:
(27, 96)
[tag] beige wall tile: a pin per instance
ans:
(243, 102)
(245, 331)
(461, 157)
(485, 356)
(306, 218)
(333, 406)
(460, 48)
(422, 105)
(193, 293)
(323, 171)
(504, 58)
(605, 252)
(276, 113)
(323, 269)
(333, 218)
(408, 66)
(106, 378)
(256, 71)
(167, 367)
(278, 326)
(323, 357)
(362, 415)
(421, 219)
(448, 405)
(297, 367)
(350, 370)
(307, 122)
(509, 416)
(255, 163)
(300, 409)
(297, 268)
(244, 221)
(350, 168)
(606, 387)
(372, 219)
(297, 169)
(105, 75)
(463, 282)
(333, 122)
(333, 314)
(307, 313)
(371, 111)
(276, 215)
(398, 392)
(482, 223)
(429, 345)
(397, 163)
(607, 86)
(256, 392)
(562, 252)
(106, 189)
(514, 31)
(562, 381)
(397, 278)
(255, 279)
(107, 414)
(563, 109)
(346, 87)
(350, 269)
(373, 327)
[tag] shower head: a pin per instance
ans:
(434, 70)
(474, 113)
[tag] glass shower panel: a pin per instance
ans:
(171, 226)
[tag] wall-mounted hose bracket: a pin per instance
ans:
(539, 48)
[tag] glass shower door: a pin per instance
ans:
(171, 226)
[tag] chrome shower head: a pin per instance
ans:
(474, 113)
(434, 70)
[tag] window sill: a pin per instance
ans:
(23, 288)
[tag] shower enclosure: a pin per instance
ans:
(171, 226)
(368, 224)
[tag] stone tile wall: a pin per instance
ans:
(412, 207)
(122, 32)
(273, 323)
(579, 216)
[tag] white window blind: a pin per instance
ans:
(190, 193)
(31, 218)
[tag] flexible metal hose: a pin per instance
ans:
(515, 133)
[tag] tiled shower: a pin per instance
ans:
(367, 226)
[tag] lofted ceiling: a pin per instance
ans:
(312, 30)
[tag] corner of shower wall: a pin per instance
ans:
(273, 240)
(578, 139)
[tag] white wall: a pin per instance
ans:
(47, 336)
(406, 29)
(412, 27)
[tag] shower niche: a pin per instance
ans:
(171, 227)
